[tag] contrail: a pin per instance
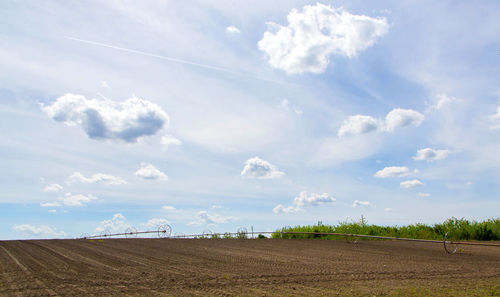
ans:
(171, 59)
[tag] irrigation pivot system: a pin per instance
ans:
(165, 231)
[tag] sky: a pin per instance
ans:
(219, 115)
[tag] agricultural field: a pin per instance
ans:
(244, 267)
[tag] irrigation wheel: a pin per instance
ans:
(207, 233)
(349, 238)
(105, 233)
(131, 232)
(450, 242)
(242, 232)
(164, 230)
(84, 236)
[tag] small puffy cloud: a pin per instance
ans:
(358, 124)
(105, 85)
(117, 224)
(216, 207)
(50, 204)
(233, 30)
(410, 184)
(394, 171)
(441, 102)
(280, 208)
(52, 210)
(148, 171)
(286, 106)
(258, 168)
(168, 140)
(303, 200)
(38, 231)
(154, 223)
(358, 203)
(105, 119)
(388, 209)
(52, 188)
(76, 200)
(396, 118)
(98, 178)
(495, 120)
(399, 117)
(430, 155)
(168, 208)
(424, 194)
(317, 32)
(204, 218)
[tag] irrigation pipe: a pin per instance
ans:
(450, 246)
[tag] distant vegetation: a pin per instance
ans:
(457, 229)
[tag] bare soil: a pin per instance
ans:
(244, 267)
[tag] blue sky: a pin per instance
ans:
(222, 114)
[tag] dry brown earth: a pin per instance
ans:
(239, 267)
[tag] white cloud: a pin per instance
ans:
(303, 200)
(286, 106)
(154, 223)
(441, 102)
(424, 194)
(495, 120)
(105, 119)
(204, 218)
(290, 209)
(394, 171)
(233, 30)
(316, 33)
(98, 178)
(50, 204)
(216, 207)
(168, 140)
(429, 154)
(399, 117)
(358, 203)
(39, 231)
(358, 124)
(258, 168)
(52, 210)
(105, 85)
(168, 208)
(52, 188)
(396, 118)
(410, 184)
(148, 171)
(388, 209)
(76, 200)
(118, 224)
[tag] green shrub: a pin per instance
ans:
(458, 229)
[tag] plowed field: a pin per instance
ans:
(244, 267)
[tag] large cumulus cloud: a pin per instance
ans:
(317, 32)
(105, 119)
